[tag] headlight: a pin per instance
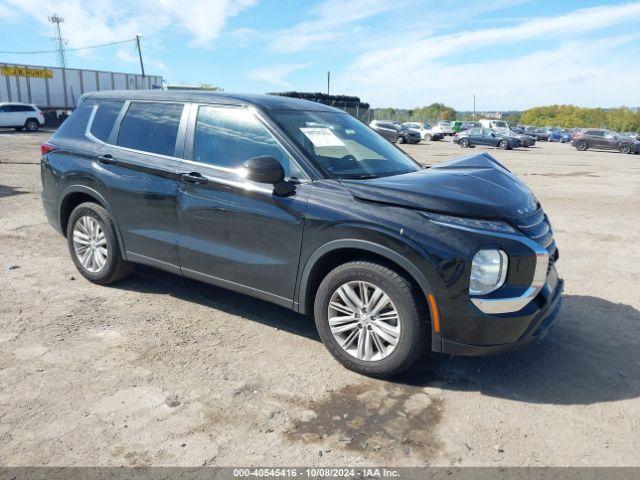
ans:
(488, 271)
(490, 225)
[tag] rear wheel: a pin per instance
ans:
(93, 245)
(369, 318)
(624, 149)
(582, 145)
(31, 125)
(464, 142)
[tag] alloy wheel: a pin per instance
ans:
(364, 321)
(90, 244)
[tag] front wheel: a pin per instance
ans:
(503, 145)
(464, 143)
(624, 149)
(400, 140)
(369, 318)
(93, 245)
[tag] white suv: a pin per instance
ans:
(21, 116)
(444, 128)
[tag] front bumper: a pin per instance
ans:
(539, 326)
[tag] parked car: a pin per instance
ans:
(525, 140)
(633, 135)
(443, 127)
(492, 124)
(21, 116)
(395, 132)
(600, 139)
(300, 204)
(559, 135)
(425, 130)
(485, 137)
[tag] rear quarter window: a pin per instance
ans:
(74, 127)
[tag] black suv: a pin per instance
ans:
(395, 132)
(302, 205)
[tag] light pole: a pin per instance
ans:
(62, 60)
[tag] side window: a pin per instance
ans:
(151, 127)
(227, 137)
(75, 126)
(104, 118)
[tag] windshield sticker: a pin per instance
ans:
(322, 137)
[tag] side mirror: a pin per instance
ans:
(264, 170)
(268, 170)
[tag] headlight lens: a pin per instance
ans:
(489, 225)
(488, 271)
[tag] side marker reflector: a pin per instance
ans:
(435, 315)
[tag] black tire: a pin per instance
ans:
(400, 139)
(625, 149)
(503, 145)
(464, 142)
(414, 331)
(31, 125)
(582, 146)
(115, 267)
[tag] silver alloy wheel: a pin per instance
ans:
(90, 244)
(364, 321)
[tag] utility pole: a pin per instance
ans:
(474, 106)
(138, 37)
(62, 59)
(328, 81)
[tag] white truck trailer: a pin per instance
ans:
(55, 88)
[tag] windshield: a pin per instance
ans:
(343, 146)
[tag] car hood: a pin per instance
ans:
(475, 186)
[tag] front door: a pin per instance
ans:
(234, 232)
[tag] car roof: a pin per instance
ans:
(266, 102)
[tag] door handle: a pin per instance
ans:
(193, 177)
(106, 159)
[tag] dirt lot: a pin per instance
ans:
(159, 370)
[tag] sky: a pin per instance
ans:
(512, 54)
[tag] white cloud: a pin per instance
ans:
(276, 74)
(604, 77)
(331, 23)
(427, 73)
(97, 21)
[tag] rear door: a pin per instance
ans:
(140, 169)
(596, 139)
(233, 232)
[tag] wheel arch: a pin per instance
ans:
(337, 252)
(73, 196)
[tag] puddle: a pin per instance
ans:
(373, 418)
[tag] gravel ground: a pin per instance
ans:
(159, 370)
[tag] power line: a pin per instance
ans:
(35, 52)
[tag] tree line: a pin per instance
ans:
(621, 119)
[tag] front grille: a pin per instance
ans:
(537, 227)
